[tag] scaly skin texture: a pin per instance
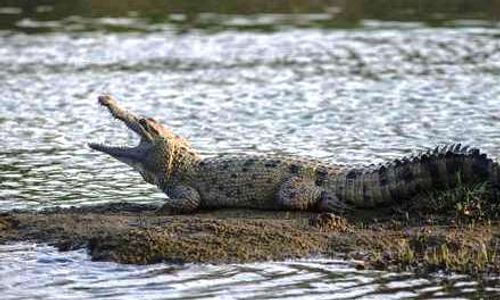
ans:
(284, 182)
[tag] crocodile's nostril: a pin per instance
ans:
(101, 99)
(104, 99)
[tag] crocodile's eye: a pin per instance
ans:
(144, 123)
(150, 125)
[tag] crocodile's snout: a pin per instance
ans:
(126, 154)
(106, 100)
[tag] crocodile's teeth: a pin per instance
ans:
(98, 146)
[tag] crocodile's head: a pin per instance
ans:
(160, 151)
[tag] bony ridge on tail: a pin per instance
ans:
(280, 182)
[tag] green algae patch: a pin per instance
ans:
(469, 249)
(379, 239)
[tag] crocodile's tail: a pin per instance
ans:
(441, 168)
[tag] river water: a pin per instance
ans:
(351, 95)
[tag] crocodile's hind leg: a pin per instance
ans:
(183, 200)
(298, 193)
(330, 203)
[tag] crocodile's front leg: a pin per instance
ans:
(182, 200)
(299, 193)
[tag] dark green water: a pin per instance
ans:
(34, 16)
(347, 81)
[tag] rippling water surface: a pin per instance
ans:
(27, 268)
(347, 95)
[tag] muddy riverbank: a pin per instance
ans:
(134, 234)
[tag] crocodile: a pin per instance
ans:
(284, 182)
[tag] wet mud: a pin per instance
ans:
(380, 239)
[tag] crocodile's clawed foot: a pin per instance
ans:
(331, 203)
(329, 221)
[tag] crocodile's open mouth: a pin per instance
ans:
(121, 153)
(134, 123)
